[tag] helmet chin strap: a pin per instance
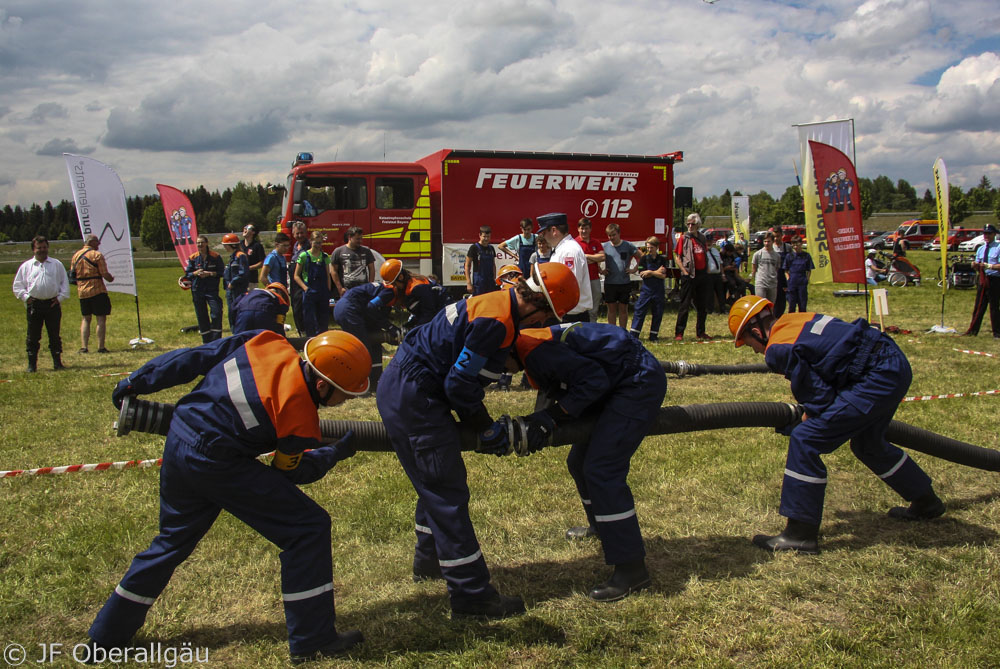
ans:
(329, 393)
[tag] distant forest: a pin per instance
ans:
(244, 203)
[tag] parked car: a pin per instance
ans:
(872, 234)
(955, 237)
(757, 239)
(915, 232)
(879, 242)
(715, 235)
(970, 245)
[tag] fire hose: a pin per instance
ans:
(154, 417)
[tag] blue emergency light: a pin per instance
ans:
(302, 158)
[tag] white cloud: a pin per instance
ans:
(966, 99)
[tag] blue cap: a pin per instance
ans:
(548, 220)
(989, 227)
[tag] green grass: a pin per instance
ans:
(882, 594)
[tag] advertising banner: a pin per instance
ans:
(741, 219)
(942, 197)
(180, 221)
(840, 205)
(100, 208)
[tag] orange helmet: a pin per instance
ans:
(508, 274)
(558, 283)
(184, 282)
(339, 358)
(390, 270)
(742, 311)
(230, 238)
(280, 291)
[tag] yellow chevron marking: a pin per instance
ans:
(417, 237)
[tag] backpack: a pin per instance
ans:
(72, 278)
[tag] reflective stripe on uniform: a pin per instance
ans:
(423, 529)
(587, 502)
(132, 597)
(237, 395)
(818, 327)
(306, 594)
(460, 561)
(895, 468)
(610, 518)
(803, 477)
(451, 312)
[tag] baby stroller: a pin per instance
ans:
(899, 270)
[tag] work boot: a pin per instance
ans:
(33, 363)
(57, 362)
(798, 536)
(581, 532)
(426, 571)
(927, 507)
(496, 606)
(343, 643)
(627, 578)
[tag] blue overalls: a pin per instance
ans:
(650, 297)
(260, 310)
(254, 398)
(205, 294)
(850, 378)
(598, 369)
(361, 311)
(316, 300)
(524, 251)
(484, 270)
(798, 265)
(443, 366)
(236, 281)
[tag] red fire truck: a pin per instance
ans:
(427, 213)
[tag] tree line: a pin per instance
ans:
(260, 204)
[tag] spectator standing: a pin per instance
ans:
(250, 245)
(522, 246)
(619, 257)
(236, 276)
(783, 249)
(480, 265)
(275, 267)
(312, 273)
(204, 271)
(653, 273)
(766, 264)
(41, 283)
(352, 263)
(988, 264)
(300, 243)
(542, 251)
(735, 285)
(713, 266)
(899, 247)
(257, 395)
(593, 251)
(850, 379)
(596, 369)
(565, 251)
(695, 290)
(797, 269)
(91, 272)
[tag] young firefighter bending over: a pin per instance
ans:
(598, 369)
(257, 396)
(850, 378)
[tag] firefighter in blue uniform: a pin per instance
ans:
(256, 396)
(421, 296)
(236, 277)
(441, 367)
(850, 378)
(653, 272)
(262, 309)
(363, 311)
(598, 369)
(204, 270)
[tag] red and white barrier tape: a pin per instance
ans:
(98, 376)
(100, 467)
(918, 398)
(710, 341)
(962, 350)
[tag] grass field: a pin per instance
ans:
(881, 594)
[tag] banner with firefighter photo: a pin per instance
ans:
(180, 222)
(840, 204)
(840, 135)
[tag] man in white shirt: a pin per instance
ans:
(42, 285)
(555, 230)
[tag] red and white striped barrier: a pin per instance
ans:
(99, 467)
(962, 350)
(98, 376)
(919, 398)
(6, 380)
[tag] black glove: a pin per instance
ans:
(345, 446)
(787, 428)
(495, 439)
(394, 335)
(536, 432)
(121, 391)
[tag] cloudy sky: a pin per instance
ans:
(189, 93)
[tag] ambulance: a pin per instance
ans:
(428, 213)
